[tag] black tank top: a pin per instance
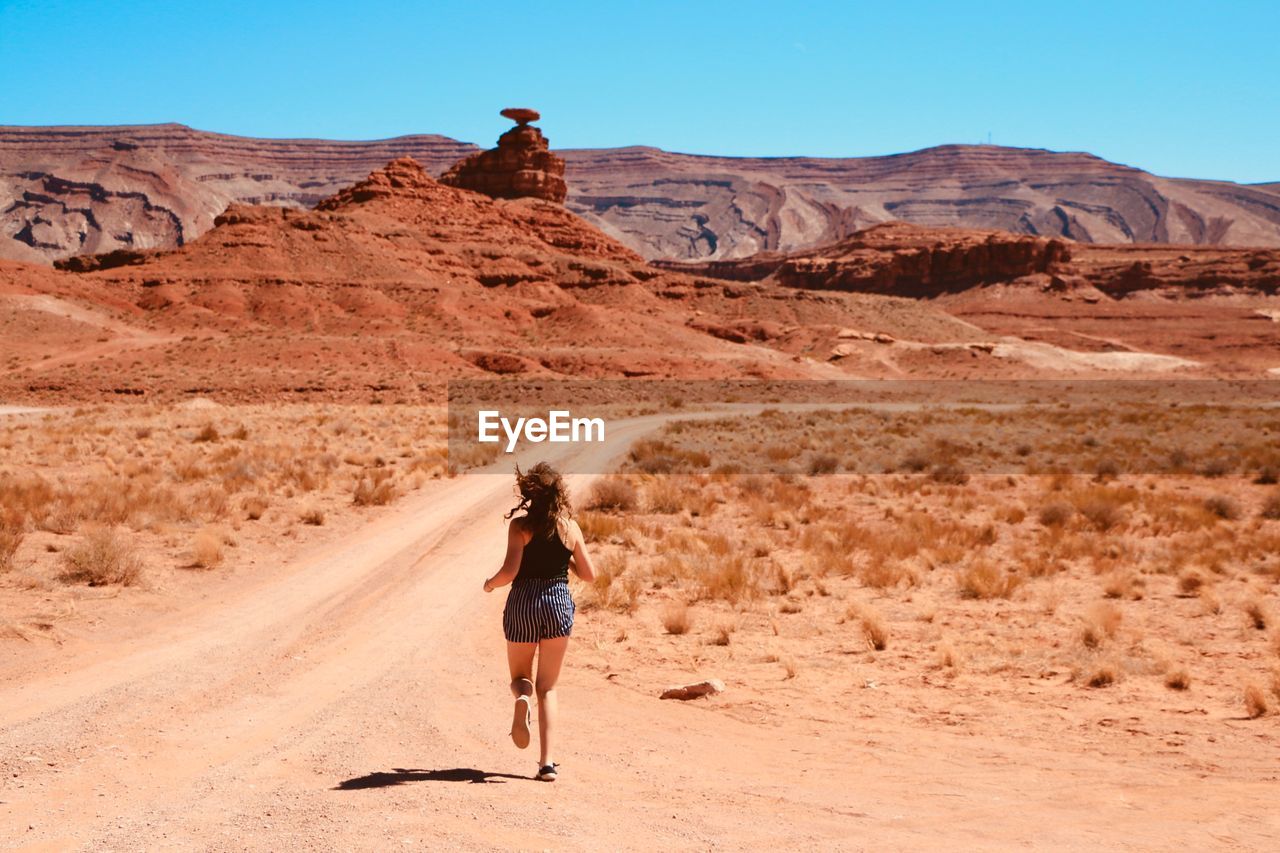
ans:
(545, 558)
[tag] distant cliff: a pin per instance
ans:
(68, 190)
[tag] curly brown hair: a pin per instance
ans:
(544, 497)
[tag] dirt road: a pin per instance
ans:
(357, 699)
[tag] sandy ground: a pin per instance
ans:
(355, 698)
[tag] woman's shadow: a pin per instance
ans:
(400, 776)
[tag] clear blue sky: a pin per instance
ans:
(1181, 89)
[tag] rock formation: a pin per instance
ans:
(522, 166)
(902, 259)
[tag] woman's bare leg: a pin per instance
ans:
(520, 660)
(550, 658)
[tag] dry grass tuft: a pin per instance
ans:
(946, 656)
(1190, 582)
(790, 667)
(982, 579)
(722, 635)
(254, 506)
(612, 494)
(1101, 623)
(1255, 701)
(597, 527)
(728, 577)
(677, 618)
(664, 497)
(100, 558)
(1177, 679)
(871, 624)
(1223, 507)
(949, 474)
(1101, 674)
(313, 515)
(1271, 508)
(1055, 514)
(13, 529)
(206, 549)
(1102, 507)
(375, 489)
(823, 463)
(1257, 613)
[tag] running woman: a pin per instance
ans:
(543, 544)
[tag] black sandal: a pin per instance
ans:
(547, 773)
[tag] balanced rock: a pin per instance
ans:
(521, 166)
(521, 115)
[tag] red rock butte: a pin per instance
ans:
(522, 166)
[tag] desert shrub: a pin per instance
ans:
(608, 568)
(946, 656)
(1216, 468)
(884, 572)
(1055, 514)
(823, 464)
(1177, 679)
(1255, 701)
(206, 549)
(598, 527)
(728, 577)
(983, 579)
(1271, 508)
(676, 618)
(1101, 674)
(1222, 507)
(13, 529)
(781, 452)
(375, 489)
(1101, 509)
(655, 456)
(101, 557)
(1256, 613)
(1106, 469)
(914, 462)
(612, 494)
(254, 506)
(871, 625)
(1012, 514)
(949, 474)
(664, 497)
(1190, 582)
(1179, 461)
(208, 433)
(1100, 624)
(1268, 475)
(313, 515)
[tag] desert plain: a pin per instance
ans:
(240, 580)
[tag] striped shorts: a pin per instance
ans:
(538, 609)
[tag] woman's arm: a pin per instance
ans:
(511, 565)
(581, 563)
